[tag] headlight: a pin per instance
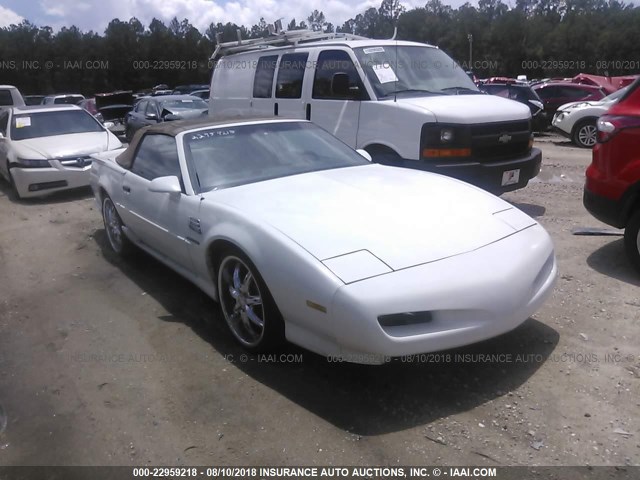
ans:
(438, 141)
(446, 135)
(536, 103)
(29, 163)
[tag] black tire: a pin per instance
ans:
(384, 155)
(116, 237)
(247, 305)
(12, 184)
(632, 239)
(585, 133)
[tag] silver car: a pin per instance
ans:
(44, 149)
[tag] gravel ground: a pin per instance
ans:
(105, 362)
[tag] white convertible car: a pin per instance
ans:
(44, 149)
(298, 236)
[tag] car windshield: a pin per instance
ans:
(46, 124)
(68, 99)
(231, 156)
(413, 70)
(184, 104)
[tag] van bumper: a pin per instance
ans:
(496, 177)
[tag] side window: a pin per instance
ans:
(291, 74)
(157, 156)
(4, 121)
(141, 106)
(5, 97)
(326, 85)
(547, 92)
(151, 108)
(575, 92)
(263, 80)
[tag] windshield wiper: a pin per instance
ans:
(413, 90)
(466, 90)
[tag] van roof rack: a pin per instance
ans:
(276, 39)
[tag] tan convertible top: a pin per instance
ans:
(125, 159)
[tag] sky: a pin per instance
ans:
(96, 14)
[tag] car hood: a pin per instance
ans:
(65, 145)
(403, 217)
(567, 107)
(469, 109)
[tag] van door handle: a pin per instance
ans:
(126, 188)
(308, 111)
(275, 109)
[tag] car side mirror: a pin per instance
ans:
(151, 116)
(169, 184)
(170, 117)
(365, 154)
(340, 84)
(109, 125)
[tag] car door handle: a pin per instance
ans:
(126, 188)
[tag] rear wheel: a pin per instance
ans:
(118, 241)
(247, 304)
(632, 239)
(584, 134)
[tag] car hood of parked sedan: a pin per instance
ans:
(469, 109)
(568, 107)
(65, 145)
(402, 217)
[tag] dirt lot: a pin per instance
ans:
(104, 362)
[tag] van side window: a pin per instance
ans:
(263, 80)
(326, 85)
(4, 121)
(291, 74)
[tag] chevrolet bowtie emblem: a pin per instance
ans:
(504, 138)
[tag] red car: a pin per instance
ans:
(612, 188)
(556, 93)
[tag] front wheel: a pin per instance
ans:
(118, 241)
(12, 183)
(247, 305)
(585, 134)
(632, 239)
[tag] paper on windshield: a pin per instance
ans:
(371, 50)
(384, 72)
(22, 122)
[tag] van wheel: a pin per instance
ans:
(585, 134)
(384, 155)
(632, 239)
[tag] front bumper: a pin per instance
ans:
(487, 175)
(607, 210)
(472, 297)
(35, 182)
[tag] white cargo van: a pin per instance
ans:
(408, 104)
(10, 96)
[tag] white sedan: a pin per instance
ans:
(45, 149)
(298, 236)
(577, 120)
